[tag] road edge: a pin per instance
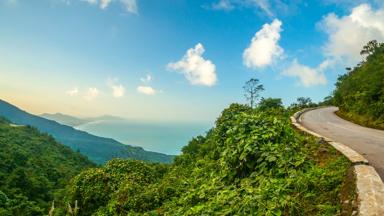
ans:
(369, 186)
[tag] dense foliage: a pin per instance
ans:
(98, 149)
(34, 170)
(251, 163)
(301, 103)
(360, 92)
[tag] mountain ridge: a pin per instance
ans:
(74, 121)
(98, 149)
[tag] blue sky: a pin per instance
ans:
(175, 60)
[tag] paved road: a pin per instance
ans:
(366, 141)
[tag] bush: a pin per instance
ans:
(251, 163)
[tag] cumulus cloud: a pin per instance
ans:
(348, 34)
(148, 90)
(118, 90)
(195, 68)
(307, 76)
(91, 93)
(264, 47)
(73, 91)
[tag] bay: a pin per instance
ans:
(164, 137)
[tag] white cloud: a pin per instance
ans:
(264, 47)
(118, 90)
(73, 92)
(223, 5)
(195, 68)
(104, 3)
(327, 63)
(148, 90)
(91, 93)
(130, 6)
(348, 34)
(307, 76)
(147, 78)
(263, 7)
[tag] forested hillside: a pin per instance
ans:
(251, 163)
(360, 92)
(34, 170)
(98, 149)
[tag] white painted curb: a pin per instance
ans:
(369, 186)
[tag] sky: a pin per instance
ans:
(176, 60)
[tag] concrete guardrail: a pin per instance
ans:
(369, 186)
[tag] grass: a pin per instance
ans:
(336, 166)
(361, 120)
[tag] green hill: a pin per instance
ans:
(98, 149)
(360, 92)
(34, 170)
(251, 163)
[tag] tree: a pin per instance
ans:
(370, 48)
(252, 90)
(270, 103)
(304, 101)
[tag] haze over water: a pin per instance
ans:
(162, 137)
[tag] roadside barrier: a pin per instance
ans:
(369, 186)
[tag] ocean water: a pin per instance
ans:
(162, 137)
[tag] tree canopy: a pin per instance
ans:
(360, 92)
(34, 170)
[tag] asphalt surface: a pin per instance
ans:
(366, 141)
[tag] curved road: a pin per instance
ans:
(366, 141)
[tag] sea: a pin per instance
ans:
(163, 137)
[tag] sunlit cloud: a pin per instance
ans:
(148, 90)
(348, 34)
(118, 90)
(264, 47)
(307, 76)
(196, 69)
(91, 93)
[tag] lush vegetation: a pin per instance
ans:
(98, 149)
(34, 170)
(251, 163)
(360, 92)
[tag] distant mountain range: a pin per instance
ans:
(98, 149)
(75, 121)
